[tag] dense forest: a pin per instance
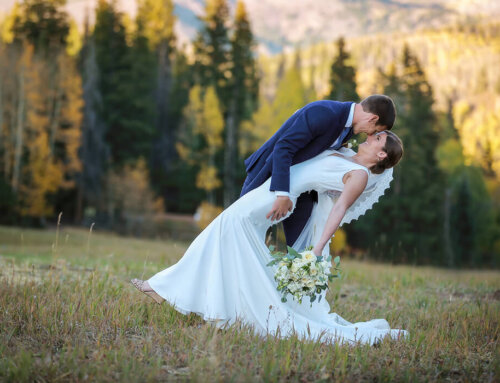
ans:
(116, 123)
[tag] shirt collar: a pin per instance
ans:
(348, 123)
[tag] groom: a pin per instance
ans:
(309, 131)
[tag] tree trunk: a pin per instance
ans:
(55, 108)
(450, 256)
(94, 150)
(2, 149)
(19, 132)
(165, 147)
(211, 163)
(230, 153)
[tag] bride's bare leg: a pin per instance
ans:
(144, 287)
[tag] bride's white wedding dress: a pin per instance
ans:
(223, 274)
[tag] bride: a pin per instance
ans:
(223, 275)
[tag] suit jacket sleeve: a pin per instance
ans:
(312, 122)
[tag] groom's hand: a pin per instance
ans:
(280, 208)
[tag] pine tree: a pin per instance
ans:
(244, 89)
(44, 24)
(469, 210)
(94, 151)
(170, 173)
(127, 115)
(342, 76)
(212, 50)
(155, 25)
(406, 225)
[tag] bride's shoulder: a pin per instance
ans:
(347, 161)
(345, 151)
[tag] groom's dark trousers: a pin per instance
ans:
(308, 132)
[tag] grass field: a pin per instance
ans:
(68, 313)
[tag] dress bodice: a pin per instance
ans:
(322, 173)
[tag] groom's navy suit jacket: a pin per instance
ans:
(308, 132)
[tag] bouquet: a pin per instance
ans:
(302, 274)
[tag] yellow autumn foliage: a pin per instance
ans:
(7, 33)
(44, 177)
(339, 242)
(479, 130)
(74, 40)
(206, 213)
(158, 19)
(203, 118)
(130, 191)
(206, 178)
(43, 112)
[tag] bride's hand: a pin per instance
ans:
(317, 251)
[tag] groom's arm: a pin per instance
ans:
(312, 122)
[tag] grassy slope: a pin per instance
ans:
(68, 313)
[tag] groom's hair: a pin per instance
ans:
(383, 107)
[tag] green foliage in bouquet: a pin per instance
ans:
(303, 274)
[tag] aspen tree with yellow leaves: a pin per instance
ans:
(202, 137)
(42, 114)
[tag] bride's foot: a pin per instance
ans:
(144, 287)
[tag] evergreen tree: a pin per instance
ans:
(155, 25)
(170, 176)
(94, 150)
(406, 225)
(42, 23)
(342, 76)
(212, 65)
(244, 90)
(469, 210)
(129, 131)
(212, 50)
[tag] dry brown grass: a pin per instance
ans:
(72, 316)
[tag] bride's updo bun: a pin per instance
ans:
(394, 149)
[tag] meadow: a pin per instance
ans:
(68, 313)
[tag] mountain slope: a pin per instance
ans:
(283, 24)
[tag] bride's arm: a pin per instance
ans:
(354, 186)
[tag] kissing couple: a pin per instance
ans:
(304, 177)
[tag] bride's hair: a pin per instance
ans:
(394, 149)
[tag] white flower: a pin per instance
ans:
(309, 256)
(349, 145)
(311, 284)
(293, 287)
(313, 270)
(325, 265)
